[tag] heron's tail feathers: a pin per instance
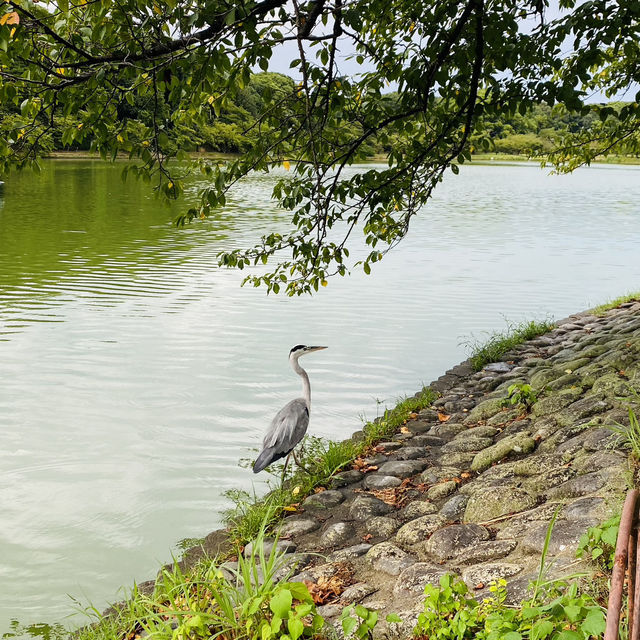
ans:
(266, 457)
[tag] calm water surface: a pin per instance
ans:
(135, 374)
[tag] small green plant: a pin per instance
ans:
(628, 436)
(522, 395)
(498, 344)
(451, 614)
(599, 543)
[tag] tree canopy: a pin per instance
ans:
(454, 67)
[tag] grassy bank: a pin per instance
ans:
(496, 345)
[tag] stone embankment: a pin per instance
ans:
(470, 487)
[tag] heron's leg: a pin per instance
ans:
(284, 469)
(298, 463)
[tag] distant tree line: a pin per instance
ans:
(234, 127)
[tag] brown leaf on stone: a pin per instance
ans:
(413, 415)
(328, 590)
(480, 585)
(319, 489)
(443, 417)
(404, 430)
(465, 475)
(366, 537)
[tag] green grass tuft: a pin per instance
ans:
(500, 343)
(601, 309)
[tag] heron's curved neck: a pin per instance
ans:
(306, 385)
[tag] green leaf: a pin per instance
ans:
(296, 628)
(393, 617)
(572, 612)
(348, 625)
(361, 611)
(541, 629)
(594, 624)
(281, 603)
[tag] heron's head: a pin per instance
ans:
(301, 349)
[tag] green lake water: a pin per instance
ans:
(135, 373)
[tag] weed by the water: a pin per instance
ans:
(522, 395)
(499, 343)
(601, 309)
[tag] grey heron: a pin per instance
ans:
(290, 423)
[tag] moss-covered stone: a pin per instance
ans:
(516, 444)
(485, 410)
(556, 401)
(490, 503)
(542, 376)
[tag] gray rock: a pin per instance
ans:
(365, 507)
(467, 444)
(556, 401)
(453, 509)
(411, 453)
(328, 611)
(512, 445)
(435, 474)
(298, 526)
(389, 558)
(356, 593)
(447, 430)
(427, 441)
(324, 499)
(485, 410)
(442, 490)
(377, 481)
(485, 574)
(402, 468)
(578, 486)
(346, 478)
(481, 431)
(536, 464)
(349, 553)
(375, 460)
(564, 537)
(390, 446)
(282, 546)
(382, 527)
(487, 504)
(485, 551)
(449, 541)
(498, 367)
(584, 508)
(599, 439)
(417, 509)
(600, 460)
(336, 534)
(461, 460)
(419, 530)
(413, 579)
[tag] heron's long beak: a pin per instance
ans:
(310, 349)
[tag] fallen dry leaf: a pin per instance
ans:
(366, 537)
(328, 590)
(404, 430)
(319, 489)
(480, 585)
(443, 417)
(413, 415)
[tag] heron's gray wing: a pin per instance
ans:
(287, 427)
